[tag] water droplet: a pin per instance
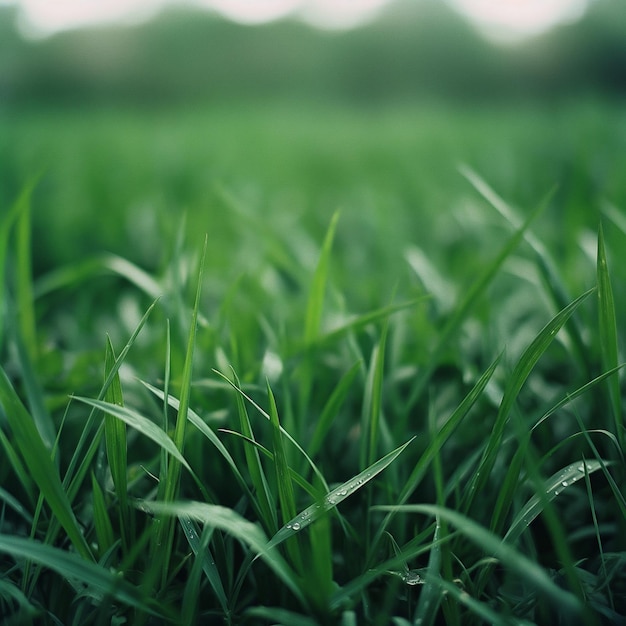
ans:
(565, 483)
(296, 526)
(343, 492)
(412, 577)
(288, 527)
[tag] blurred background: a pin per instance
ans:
(157, 53)
(275, 113)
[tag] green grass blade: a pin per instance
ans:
(73, 567)
(575, 394)
(331, 408)
(514, 384)
(372, 403)
(232, 523)
(37, 459)
(102, 523)
(315, 304)
(608, 334)
(264, 499)
(476, 290)
(493, 545)
(336, 496)
(116, 444)
(25, 297)
(285, 433)
(437, 442)
(199, 543)
(140, 423)
(429, 599)
(553, 487)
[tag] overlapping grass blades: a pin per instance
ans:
(41, 468)
(513, 386)
(494, 546)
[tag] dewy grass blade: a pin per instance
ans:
(39, 463)
(461, 312)
(608, 334)
(493, 545)
(199, 543)
(140, 423)
(553, 487)
(232, 523)
(74, 567)
(514, 384)
(336, 496)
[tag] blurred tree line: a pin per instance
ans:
(416, 50)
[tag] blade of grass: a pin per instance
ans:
(72, 566)
(493, 545)
(39, 463)
(141, 424)
(552, 488)
(514, 384)
(331, 408)
(437, 442)
(372, 402)
(608, 335)
(116, 445)
(461, 312)
(199, 544)
(286, 496)
(165, 529)
(102, 523)
(554, 284)
(232, 523)
(336, 496)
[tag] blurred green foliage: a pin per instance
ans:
(416, 50)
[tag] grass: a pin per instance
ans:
(348, 405)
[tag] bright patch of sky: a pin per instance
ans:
(501, 19)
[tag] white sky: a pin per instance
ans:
(501, 19)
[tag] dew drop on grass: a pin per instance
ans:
(412, 577)
(296, 526)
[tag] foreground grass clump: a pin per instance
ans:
(274, 456)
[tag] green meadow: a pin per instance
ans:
(279, 361)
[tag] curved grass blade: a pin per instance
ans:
(72, 566)
(514, 384)
(102, 523)
(331, 408)
(493, 545)
(572, 396)
(37, 459)
(608, 334)
(461, 312)
(232, 523)
(547, 267)
(200, 547)
(336, 496)
(553, 487)
(437, 442)
(140, 423)
(241, 394)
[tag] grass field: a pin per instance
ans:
(297, 364)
